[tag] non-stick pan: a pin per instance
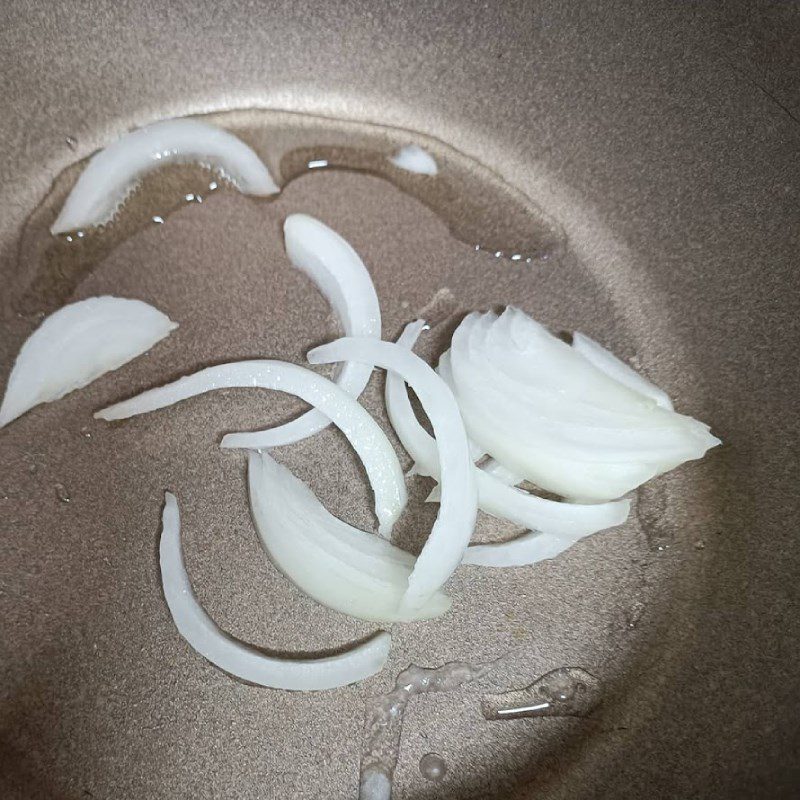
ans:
(645, 154)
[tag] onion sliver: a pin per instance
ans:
(547, 413)
(575, 426)
(413, 158)
(501, 473)
(242, 660)
(112, 173)
(607, 362)
(529, 548)
(456, 519)
(494, 497)
(77, 344)
(368, 440)
(490, 467)
(334, 563)
(341, 276)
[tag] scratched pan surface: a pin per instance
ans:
(661, 145)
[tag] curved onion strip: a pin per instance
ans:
(334, 563)
(77, 344)
(582, 435)
(495, 498)
(577, 430)
(484, 409)
(490, 467)
(240, 659)
(366, 436)
(526, 351)
(456, 519)
(612, 366)
(111, 174)
(501, 473)
(341, 276)
(526, 549)
(413, 158)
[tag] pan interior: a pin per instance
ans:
(82, 499)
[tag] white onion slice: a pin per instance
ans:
(334, 563)
(456, 519)
(490, 467)
(577, 427)
(547, 413)
(77, 344)
(242, 660)
(527, 549)
(562, 519)
(369, 441)
(112, 173)
(341, 276)
(617, 369)
(413, 158)
(501, 473)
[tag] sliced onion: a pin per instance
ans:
(112, 173)
(369, 441)
(242, 660)
(527, 549)
(341, 276)
(494, 497)
(501, 473)
(612, 366)
(575, 427)
(77, 344)
(454, 525)
(413, 158)
(334, 563)
(548, 414)
(490, 467)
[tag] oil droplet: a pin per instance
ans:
(86, 433)
(475, 203)
(61, 493)
(71, 141)
(563, 692)
(158, 220)
(464, 194)
(433, 767)
(51, 267)
(384, 721)
(699, 545)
